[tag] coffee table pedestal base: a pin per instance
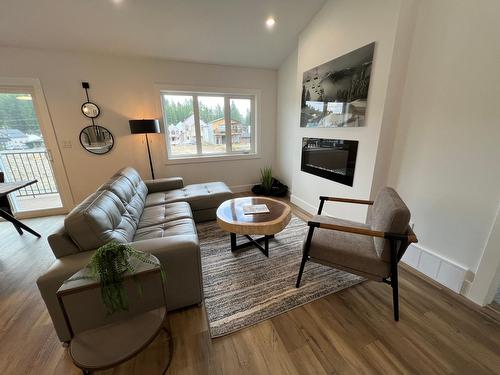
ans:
(252, 242)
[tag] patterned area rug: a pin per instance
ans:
(245, 287)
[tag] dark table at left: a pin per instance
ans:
(6, 211)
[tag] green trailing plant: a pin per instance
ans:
(266, 179)
(108, 264)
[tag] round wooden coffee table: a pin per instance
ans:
(231, 217)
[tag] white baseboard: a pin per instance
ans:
(303, 204)
(441, 270)
(241, 188)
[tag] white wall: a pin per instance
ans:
(395, 86)
(288, 105)
(432, 123)
(123, 87)
(446, 159)
(340, 27)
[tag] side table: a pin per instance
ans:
(115, 339)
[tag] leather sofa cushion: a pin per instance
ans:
(132, 199)
(134, 177)
(164, 184)
(199, 196)
(350, 251)
(100, 218)
(168, 229)
(163, 214)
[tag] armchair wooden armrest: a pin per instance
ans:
(409, 237)
(412, 237)
(323, 199)
(346, 200)
(343, 228)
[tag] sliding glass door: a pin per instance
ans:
(26, 153)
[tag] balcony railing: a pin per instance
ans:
(23, 165)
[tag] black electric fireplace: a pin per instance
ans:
(334, 159)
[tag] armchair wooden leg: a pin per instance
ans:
(305, 255)
(395, 292)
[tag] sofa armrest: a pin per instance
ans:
(164, 184)
(51, 281)
(180, 258)
(61, 243)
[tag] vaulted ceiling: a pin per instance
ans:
(230, 32)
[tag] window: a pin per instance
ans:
(208, 124)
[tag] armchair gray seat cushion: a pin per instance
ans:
(117, 211)
(346, 251)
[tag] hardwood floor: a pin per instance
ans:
(349, 332)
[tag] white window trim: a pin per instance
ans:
(255, 152)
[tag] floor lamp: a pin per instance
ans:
(145, 127)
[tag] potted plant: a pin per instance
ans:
(269, 185)
(266, 179)
(108, 264)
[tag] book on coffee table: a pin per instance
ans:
(251, 209)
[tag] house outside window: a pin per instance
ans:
(209, 125)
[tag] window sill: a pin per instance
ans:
(210, 159)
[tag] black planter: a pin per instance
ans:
(277, 189)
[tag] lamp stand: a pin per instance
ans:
(150, 161)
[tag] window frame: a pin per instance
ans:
(228, 94)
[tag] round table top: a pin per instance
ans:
(230, 216)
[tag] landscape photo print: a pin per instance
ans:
(335, 94)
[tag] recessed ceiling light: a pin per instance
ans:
(117, 1)
(270, 22)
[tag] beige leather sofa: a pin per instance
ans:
(155, 216)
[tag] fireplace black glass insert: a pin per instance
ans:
(334, 159)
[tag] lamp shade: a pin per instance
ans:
(144, 126)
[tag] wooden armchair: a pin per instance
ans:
(370, 250)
